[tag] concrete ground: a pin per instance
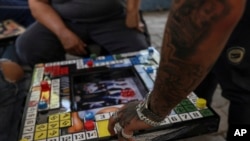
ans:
(156, 24)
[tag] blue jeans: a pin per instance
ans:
(18, 10)
(12, 98)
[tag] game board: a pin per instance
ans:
(9, 29)
(72, 100)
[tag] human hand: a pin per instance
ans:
(72, 43)
(125, 122)
(133, 21)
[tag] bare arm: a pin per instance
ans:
(44, 13)
(133, 5)
(133, 18)
(195, 35)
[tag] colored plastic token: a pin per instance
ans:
(93, 56)
(127, 93)
(89, 116)
(42, 105)
(90, 63)
(149, 70)
(201, 103)
(89, 125)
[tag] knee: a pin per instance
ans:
(23, 49)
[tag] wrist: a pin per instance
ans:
(153, 114)
(146, 115)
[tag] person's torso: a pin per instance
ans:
(89, 10)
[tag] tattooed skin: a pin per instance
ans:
(190, 24)
(192, 20)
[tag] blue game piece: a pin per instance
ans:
(89, 116)
(42, 105)
(150, 53)
(149, 70)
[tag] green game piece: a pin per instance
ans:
(93, 56)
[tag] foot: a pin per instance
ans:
(12, 72)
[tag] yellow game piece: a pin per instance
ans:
(102, 127)
(201, 103)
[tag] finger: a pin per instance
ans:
(111, 125)
(141, 27)
(125, 135)
(81, 49)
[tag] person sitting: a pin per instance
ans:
(14, 80)
(71, 26)
(13, 90)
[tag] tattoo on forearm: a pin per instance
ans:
(189, 24)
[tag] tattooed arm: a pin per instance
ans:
(194, 37)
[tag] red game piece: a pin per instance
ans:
(90, 63)
(89, 125)
(127, 93)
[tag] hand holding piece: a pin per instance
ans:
(126, 121)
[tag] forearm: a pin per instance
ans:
(133, 5)
(46, 15)
(194, 37)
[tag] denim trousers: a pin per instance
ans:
(12, 99)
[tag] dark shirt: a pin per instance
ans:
(89, 10)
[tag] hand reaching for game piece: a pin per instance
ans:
(72, 43)
(125, 122)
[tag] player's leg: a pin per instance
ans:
(23, 90)
(8, 99)
(116, 38)
(38, 45)
(232, 70)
